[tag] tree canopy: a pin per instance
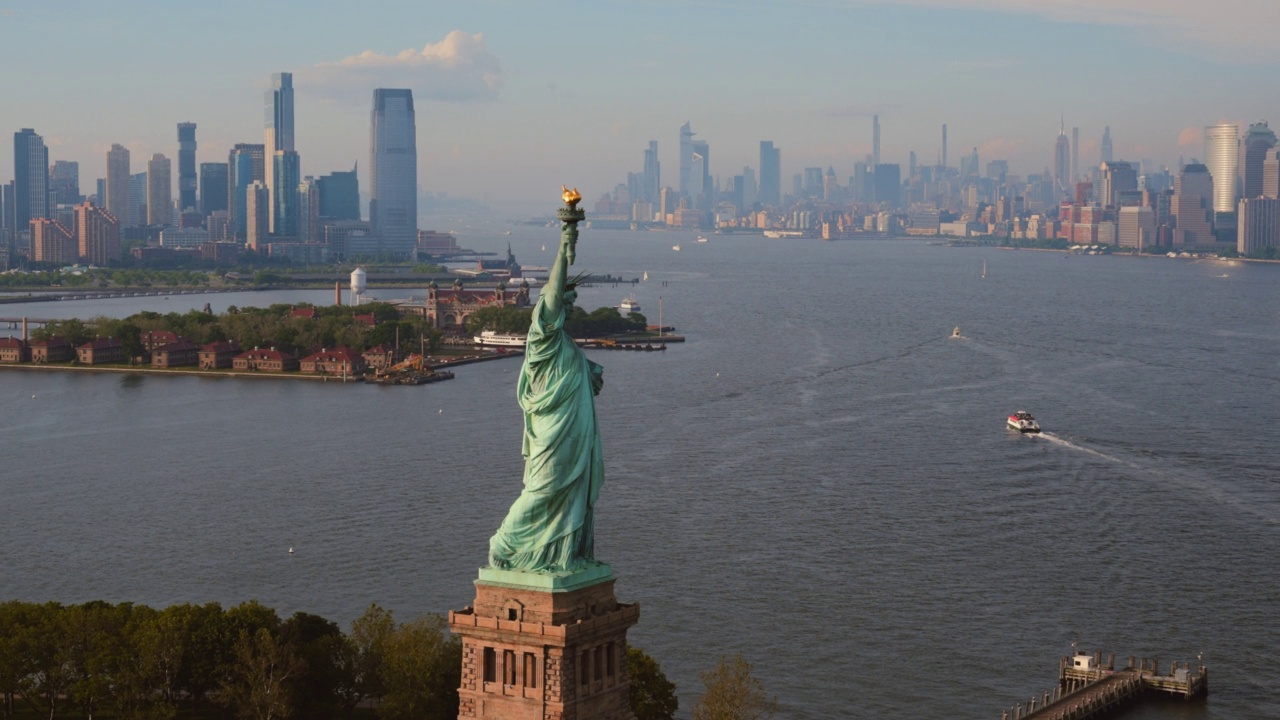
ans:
(733, 693)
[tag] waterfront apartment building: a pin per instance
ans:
(186, 167)
(52, 242)
(159, 191)
(393, 197)
(1258, 226)
(98, 232)
(119, 200)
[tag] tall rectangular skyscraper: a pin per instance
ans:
(339, 195)
(119, 199)
(187, 166)
(159, 191)
(770, 174)
(213, 187)
(1222, 157)
(30, 179)
(287, 172)
(246, 165)
(686, 188)
(277, 134)
(393, 196)
(652, 182)
(64, 181)
(875, 139)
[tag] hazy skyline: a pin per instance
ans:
(516, 98)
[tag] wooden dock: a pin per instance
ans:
(1088, 689)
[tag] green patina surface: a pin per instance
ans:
(549, 528)
(551, 581)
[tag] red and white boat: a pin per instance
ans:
(1023, 422)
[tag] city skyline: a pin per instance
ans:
(506, 111)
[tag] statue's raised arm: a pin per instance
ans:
(550, 527)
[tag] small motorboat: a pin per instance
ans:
(1023, 422)
(956, 333)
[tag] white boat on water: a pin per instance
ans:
(676, 247)
(646, 275)
(629, 305)
(702, 238)
(491, 338)
(1023, 422)
(955, 334)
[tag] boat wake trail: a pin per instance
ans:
(1068, 444)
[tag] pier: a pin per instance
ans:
(1087, 689)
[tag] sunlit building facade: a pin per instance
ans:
(393, 196)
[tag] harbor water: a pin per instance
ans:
(820, 478)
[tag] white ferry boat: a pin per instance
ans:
(629, 305)
(497, 339)
(702, 238)
(1023, 422)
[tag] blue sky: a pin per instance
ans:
(514, 98)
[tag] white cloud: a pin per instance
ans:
(1238, 30)
(459, 68)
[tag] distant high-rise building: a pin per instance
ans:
(998, 170)
(750, 190)
(256, 200)
(687, 187)
(1104, 151)
(159, 191)
(287, 171)
(770, 174)
(1192, 206)
(944, 146)
(277, 134)
(1062, 163)
(339, 195)
(52, 242)
(875, 139)
(138, 200)
(309, 210)
(652, 175)
(119, 200)
(64, 181)
(700, 176)
(969, 165)
(393, 196)
(1271, 175)
(1222, 157)
(888, 184)
(187, 166)
(98, 233)
(30, 179)
(1075, 154)
(214, 184)
(1114, 178)
(246, 165)
(813, 182)
(1136, 227)
(1259, 226)
(1258, 142)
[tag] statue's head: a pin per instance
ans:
(570, 294)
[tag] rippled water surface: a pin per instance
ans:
(819, 478)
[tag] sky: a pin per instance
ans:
(515, 97)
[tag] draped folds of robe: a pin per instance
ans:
(549, 527)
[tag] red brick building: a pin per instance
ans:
(14, 350)
(379, 357)
(54, 350)
(221, 354)
(100, 351)
(447, 309)
(309, 313)
(334, 361)
(271, 360)
(176, 354)
(157, 338)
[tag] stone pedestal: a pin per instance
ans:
(539, 646)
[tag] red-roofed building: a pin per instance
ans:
(100, 351)
(156, 338)
(178, 354)
(334, 361)
(368, 320)
(309, 313)
(271, 360)
(54, 350)
(446, 309)
(14, 350)
(379, 357)
(221, 354)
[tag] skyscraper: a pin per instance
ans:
(119, 190)
(1075, 153)
(246, 164)
(339, 195)
(1222, 157)
(214, 181)
(393, 197)
(1259, 226)
(1114, 178)
(1105, 149)
(159, 191)
(1258, 142)
(1192, 206)
(686, 160)
(64, 181)
(700, 176)
(944, 145)
(30, 179)
(255, 213)
(1062, 163)
(1271, 175)
(98, 232)
(875, 139)
(287, 172)
(277, 135)
(187, 166)
(770, 174)
(652, 175)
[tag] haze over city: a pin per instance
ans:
(515, 98)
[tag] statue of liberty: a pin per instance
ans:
(549, 527)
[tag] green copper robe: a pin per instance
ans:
(549, 527)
